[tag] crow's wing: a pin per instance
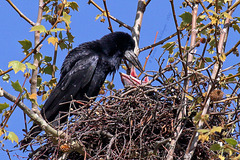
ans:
(78, 76)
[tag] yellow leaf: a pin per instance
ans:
(53, 40)
(221, 157)
(105, 13)
(214, 20)
(227, 15)
(33, 96)
(13, 137)
(222, 57)
(45, 96)
(210, 1)
(203, 137)
(216, 129)
(189, 97)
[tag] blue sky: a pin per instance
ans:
(157, 17)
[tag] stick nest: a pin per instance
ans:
(134, 123)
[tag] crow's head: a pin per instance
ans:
(122, 44)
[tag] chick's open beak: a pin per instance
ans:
(132, 58)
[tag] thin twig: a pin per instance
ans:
(109, 22)
(178, 31)
(33, 50)
(20, 13)
(204, 8)
(110, 16)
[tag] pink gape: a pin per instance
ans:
(132, 80)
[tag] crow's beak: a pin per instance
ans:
(132, 58)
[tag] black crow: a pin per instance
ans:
(84, 71)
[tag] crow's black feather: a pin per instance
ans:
(83, 72)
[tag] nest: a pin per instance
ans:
(134, 123)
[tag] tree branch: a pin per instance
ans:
(182, 112)
(137, 24)
(20, 13)
(113, 18)
(75, 145)
(217, 66)
(33, 87)
(109, 22)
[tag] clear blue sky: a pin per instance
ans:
(157, 17)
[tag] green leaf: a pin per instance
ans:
(62, 45)
(236, 28)
(57, 29)
(26, 44)
(201, 18)
(60, 35)
(186, 18)
(47, 59)
(70, 37)
(6, 77)
(203, 130)
(3, 106)
(38, 56)
(73, 5)
(199, 100)
(197, 117)
(208, 59)
(169, 47)
(231, 79)
(39, 28)
(48, 70)
(66, 18)
(30, 66)
(39, 81)
(231, 141)
(215, 147)
(47, 17)
(13, 137)
(16, 86)
(110, 86)
(17, 66)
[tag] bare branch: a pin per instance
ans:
(20, 13)
(32, 115)
(75, 145)
(178, 33)
(33, 87)
(182, 112)
(113, 18)
(194, 140)
(109, 22)
(137, 24)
